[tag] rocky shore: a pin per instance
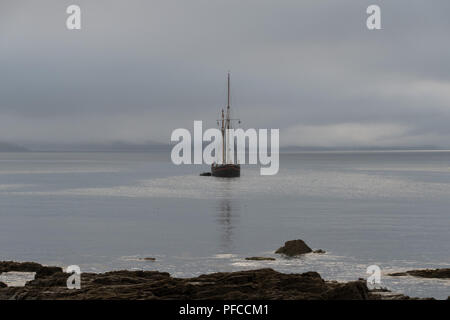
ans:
(50, 283)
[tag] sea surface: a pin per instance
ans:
(107, 211)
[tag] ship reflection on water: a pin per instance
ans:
(228, 212)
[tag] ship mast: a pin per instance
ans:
(226, 124)
(228, 117)
(223, 138)
(228, 104)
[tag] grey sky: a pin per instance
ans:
(139, 69)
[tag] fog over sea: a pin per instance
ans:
(107, 211)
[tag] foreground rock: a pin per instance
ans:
(426, 273)
(254, 284)
(294, 248)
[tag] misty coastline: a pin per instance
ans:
(119, 146)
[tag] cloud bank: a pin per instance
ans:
(139, 69)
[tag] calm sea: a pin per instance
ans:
(105, 211)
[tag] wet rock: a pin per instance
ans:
(382, 289)
(398, 274)
(148, 259)
(205, 174)
(3, 285)
(260, 258)
(294, 248)
(319, 251)
(426, 273)
(41, 271)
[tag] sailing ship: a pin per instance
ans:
(227, 168)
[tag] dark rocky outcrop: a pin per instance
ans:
(356, 290)
(3, 285)
(294, 248)
(254, 284)
(205, 174)
(260, 258)
(41, 271)
(319, 251)
(132, 285)
(426, 273)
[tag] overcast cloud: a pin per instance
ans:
(139, 69)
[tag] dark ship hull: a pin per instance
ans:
(226, 170)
